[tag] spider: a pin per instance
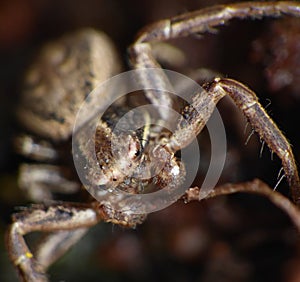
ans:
(54, 91)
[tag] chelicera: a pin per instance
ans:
(64, 74)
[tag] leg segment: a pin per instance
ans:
(56, 245)
(205, 20)
(196, 115)
(45, 219)
(201, 21)
(39, 150)
(268, 131)
(40, 181)
(67, 221)
(254, 187)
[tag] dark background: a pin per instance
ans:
(234, 238)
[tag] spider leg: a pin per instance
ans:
(141, 57)
(39, 150)
(56, 244)
(201, 21)
(254, 187)
(247, 101)
(195, 116)
(46, 219)
(40, 181)
(65, 217)
(205, 20)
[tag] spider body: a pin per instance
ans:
(61, 79)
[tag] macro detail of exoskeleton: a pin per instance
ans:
(62, 77)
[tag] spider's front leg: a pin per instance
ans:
(59, 218)
(247, 101)
(196, 115)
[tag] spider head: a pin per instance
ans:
(134, 162)
(118, 156)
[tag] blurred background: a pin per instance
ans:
(232, 238)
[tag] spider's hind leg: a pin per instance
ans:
(40, 181)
